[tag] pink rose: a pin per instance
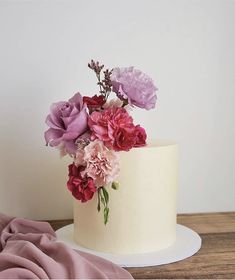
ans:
(67, 121)
(102, 164)
(114, 126)
(82, 187)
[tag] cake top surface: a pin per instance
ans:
(154, 143)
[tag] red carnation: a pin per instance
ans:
(125, 138)
(140, 136)
(82, 188)
(95, 102)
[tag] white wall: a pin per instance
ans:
(186, 46)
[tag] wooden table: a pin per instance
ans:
(216, 259)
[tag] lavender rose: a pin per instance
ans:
(67, 121)
(135, 86)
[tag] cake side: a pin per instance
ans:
(143, 210)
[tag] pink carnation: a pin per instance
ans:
(109, 125)
(114, 126)
(102, 164)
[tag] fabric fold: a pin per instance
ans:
(29, 250)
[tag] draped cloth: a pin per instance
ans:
(29, 250)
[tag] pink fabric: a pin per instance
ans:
(29, 250)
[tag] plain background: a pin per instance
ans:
(186, 46)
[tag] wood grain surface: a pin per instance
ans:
(215, 260)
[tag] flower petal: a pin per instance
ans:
(70, 147)
(51, 123)
(78, 126)
(77, 100)
(56, 113)
(53, 136)
(99, 129)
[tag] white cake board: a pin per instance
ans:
(187, 243)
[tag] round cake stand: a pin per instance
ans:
(187, 243)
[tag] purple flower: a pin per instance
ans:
(67, 121)
(135, 86)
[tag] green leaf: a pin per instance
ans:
(103, 197)
(106, 215)
(102, 200)
(106, 195)
(98, 206)
(115, 185)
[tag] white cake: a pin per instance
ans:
(142, 215)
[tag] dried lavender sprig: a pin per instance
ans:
(105, 84)
(95, 66)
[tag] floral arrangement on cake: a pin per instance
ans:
(93, 130)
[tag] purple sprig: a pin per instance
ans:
(105, 84)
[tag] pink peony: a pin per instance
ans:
(67, 122)
(102, 164)
(134, 86)
(114, 126)
(82, 187)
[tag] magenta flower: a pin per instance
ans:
(135, 86)
(67, 121)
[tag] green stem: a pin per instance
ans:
(103, 196)
(98, 206)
